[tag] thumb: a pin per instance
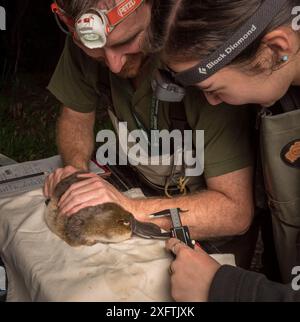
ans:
(198, 248)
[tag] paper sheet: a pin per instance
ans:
(4, 160)
(2, 279)
(23, 177)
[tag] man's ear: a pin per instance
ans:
(283, 41)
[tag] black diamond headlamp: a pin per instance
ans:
(169, 86)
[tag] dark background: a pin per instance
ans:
(32, 41)
(29, 50)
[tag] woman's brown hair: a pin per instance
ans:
(193, 29)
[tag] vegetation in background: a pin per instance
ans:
(28, 115)
(29, 51)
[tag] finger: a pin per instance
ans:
(75, 209)
(52, 180)
(178, 247)
(78, 194)
(74, 187)
(84, 199)
(69, 169)
(88, 175)
(62, 173)
(198, 247)
(96, 176)
(78, 200)
(171, 268)
(45, 188)
(171, 242)
(48, 185)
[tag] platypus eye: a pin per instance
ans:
(124, 222)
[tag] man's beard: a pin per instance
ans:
(132, 66)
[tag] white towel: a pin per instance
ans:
(42, 267)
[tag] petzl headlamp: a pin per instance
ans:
(165, 82)
(94, 26)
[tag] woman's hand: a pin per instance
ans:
(192, 272)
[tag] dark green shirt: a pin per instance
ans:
(80, 82)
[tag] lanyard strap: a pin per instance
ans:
(153, 121)
(154, 113)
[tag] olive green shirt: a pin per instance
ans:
(82, 84)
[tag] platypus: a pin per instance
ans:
(107, 223)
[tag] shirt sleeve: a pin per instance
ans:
(232, 284)
(228, 133)
(75, 82)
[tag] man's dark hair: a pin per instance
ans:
(193, 29)
(74, 7)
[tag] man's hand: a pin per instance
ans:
(192, 272)
(90, 192)
(55, 177)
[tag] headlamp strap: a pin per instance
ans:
(240, 40)
(55, 9)
(114, 16)
(122, 11)
(60, 12)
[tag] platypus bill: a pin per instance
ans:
(108, 223)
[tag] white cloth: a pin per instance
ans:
(42, 267)
(2, 279)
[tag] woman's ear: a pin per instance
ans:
(283, 41)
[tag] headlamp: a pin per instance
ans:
(94, 26)
(92, 29)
